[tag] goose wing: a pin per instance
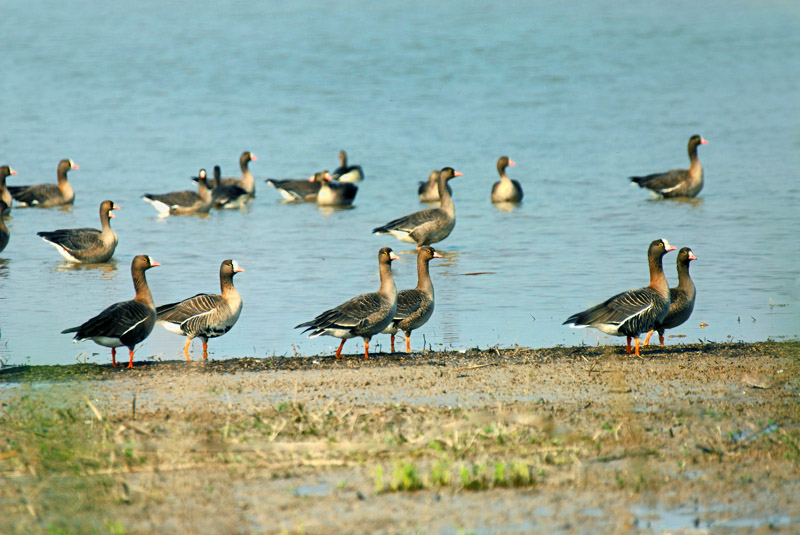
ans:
(73, 239)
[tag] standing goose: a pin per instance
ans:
(506, 189)
(426, 226)
(364, 315)
(415, 306)
(347, 173)
(185, 202)
(300, 189)
(47, 195)
(125, 323)
(335, 193)
(429, 191)
(681, 298)
(5, 195)
(205, 315)
(635, 311)
(227, 196)
(86, 245)
(247, 182)
(4, 233)
(678, 182)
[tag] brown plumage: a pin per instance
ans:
(506, 189)
(47, 195)
(86, 245)
(678, 182)
(681, 298)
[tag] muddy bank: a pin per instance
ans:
(586, 440)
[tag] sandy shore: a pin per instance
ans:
(688, 439)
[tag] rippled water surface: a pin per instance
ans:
(143, 96)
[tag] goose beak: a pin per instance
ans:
(692, 256)
(457, 173)
(511, 162)
(153, 263)
(12, 171)
(236, 267)
(253, 157)
(116, 207)
(393, 256)
(437, 254)
(667, 246)
(703, 141)
(73, 165)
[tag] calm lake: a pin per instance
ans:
(141, 97)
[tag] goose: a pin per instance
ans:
(246, 182)
(335, 193)
(426, 226)
(227, 196)
(429, 191)
(415, 306)
(681, 298)
(635, 311)
(5, 195)
(183, 202)
(364, 315)
(47, 195)
(125, 323)
(347, 173)
(678, 182)
(300, 189)
(205, 315)
(4, 233)
(506, 189)
(86, 245)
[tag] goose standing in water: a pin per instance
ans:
(364, 315)
(415, 306)
(246, 182)
(185, 202)
(5, 195)
(335, 193)
(86, 245)
(227, 196)
(125, 323)
(426, 226)
(429, 191)
(635, 311)
(47, 195)
(678, 182)
(205, 315)
(347, 173)
(506, 189)
(300, 189)
(681, 298)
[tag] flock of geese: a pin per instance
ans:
(655, 307)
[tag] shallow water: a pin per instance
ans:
(580, 99)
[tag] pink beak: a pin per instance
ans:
(456, 173)
(511, 162)
(12, 171)
(436, 254)
(692, 256)
(703, 141)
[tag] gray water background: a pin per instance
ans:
(581, 96)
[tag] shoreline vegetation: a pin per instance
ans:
(571, 439)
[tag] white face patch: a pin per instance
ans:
(236, 266)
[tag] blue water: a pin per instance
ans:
(141, 97)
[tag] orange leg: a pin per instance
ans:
(130, 363)
(186, 347)
(113, 357)
(628, 349)
(366, 349)
(647, 340)
(408, 342)
(661, 339)
(205, 349)
(392, 343)
(637, 346)
(339, 351)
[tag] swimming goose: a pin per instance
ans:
(246, 182)
(5, 195)
(185, 202)
(300, 189)
(506, 189)
(227, 196)
(681, 298)
(86, 245)
(635, 311)
(125, 323)
(426, 226)
(347, 173)
(335, 193)
(364, 315)
(4, 233)
(47, 195)
(678, 182)
(429, 191)
(415, 306)
(205, 315)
